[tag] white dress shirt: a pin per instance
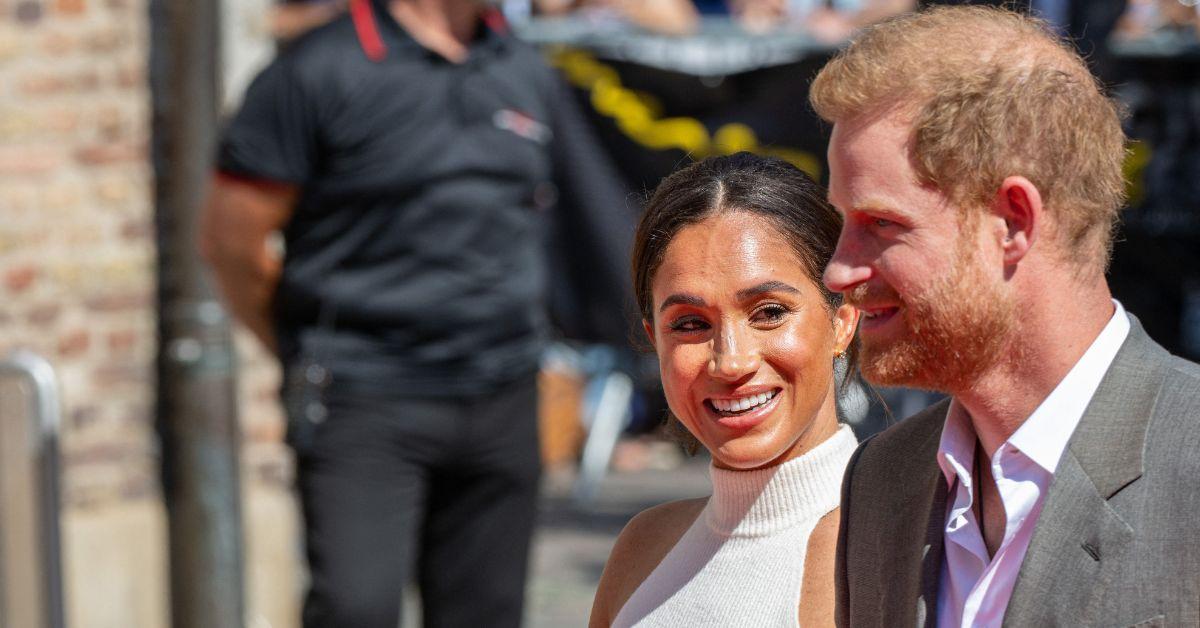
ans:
(974, 590)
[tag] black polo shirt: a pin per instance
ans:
(413, 259)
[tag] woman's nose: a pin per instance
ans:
(733, 357)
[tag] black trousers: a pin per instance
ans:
(392, 488)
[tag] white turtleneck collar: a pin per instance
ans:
(763, 501)
(741, 563)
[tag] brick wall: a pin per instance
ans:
(77, 283)
(76, 265)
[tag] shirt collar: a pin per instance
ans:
(956, 451)
(488, 39)
(1043, 437)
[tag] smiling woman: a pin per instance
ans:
(726, 266)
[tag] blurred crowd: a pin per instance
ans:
(828, 21)
(1145, 17)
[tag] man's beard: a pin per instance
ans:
(955, 330)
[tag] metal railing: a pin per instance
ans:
(29, 503)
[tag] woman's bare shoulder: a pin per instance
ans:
(660, 525)
(640, 547)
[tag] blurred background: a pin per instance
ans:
(144, 476)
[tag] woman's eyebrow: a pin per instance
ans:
(681, 299)
(763, 288)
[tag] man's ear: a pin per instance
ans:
(845, 322)
(649, 328)
(1019, 203)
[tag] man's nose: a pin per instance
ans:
(845, 269)
(734, 356)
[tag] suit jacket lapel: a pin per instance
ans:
(1064, 567)
(922, 514)
(931, 557)
(1077, 531)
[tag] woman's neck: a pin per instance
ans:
(765, 500)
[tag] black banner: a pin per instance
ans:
(653, 120)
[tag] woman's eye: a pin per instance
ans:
(770, 313)
(688, 324)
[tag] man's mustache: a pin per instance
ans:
(863, 295)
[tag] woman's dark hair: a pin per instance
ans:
(743, 182)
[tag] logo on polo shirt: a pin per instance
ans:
(522, 124)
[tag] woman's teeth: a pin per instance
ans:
(742, 404)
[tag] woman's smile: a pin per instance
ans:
(744, 411)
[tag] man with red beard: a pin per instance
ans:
(977, 164)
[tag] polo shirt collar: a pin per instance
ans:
(487, 38)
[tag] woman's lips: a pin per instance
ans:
(744, 419)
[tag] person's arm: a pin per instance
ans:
(623, 571)
(611, 585)
(236, 226)
(289, 21)
(667, 17)
(832, 26)
(554, 7)
(644, 542)
(759, 16)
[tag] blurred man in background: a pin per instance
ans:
(403, 151)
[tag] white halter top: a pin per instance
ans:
(741, 563)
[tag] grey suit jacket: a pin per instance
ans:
(1117, 542)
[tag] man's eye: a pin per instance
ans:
(883, 223)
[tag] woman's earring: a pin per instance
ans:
(841, 367)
